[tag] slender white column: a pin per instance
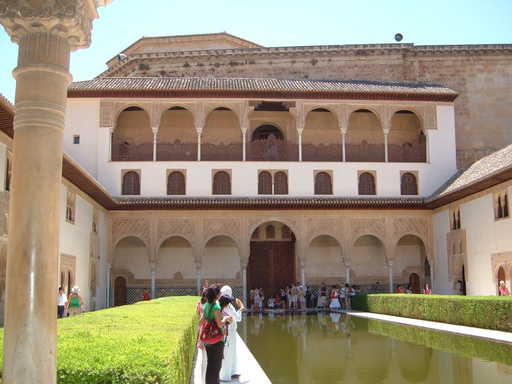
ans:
(110, 137)
(155, 135)
(198, 279)
(300, 145)
(431, 276)
(153, 280)
(386, 155)
(3, 166)
(390, 275)
(109, 285)
(347, 274)
(244, 283)
(344, 145)
(244, 134)
(199, 134)
(303, 273)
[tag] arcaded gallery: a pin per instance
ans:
(256, 180)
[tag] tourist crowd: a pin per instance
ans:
(298, 296)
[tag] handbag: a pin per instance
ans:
(209, 332)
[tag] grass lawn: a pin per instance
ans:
(147, 342)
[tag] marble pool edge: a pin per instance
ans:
(489, 334)
(250, 369)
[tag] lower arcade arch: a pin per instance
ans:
(130, 267)
(175, 264)
(324, 262)
(221, 261)
(411, 263)
(369, 264)
(272, 261)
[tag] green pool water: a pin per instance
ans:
(331, 348)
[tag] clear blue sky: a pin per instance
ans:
(283, 23)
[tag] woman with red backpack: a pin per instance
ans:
(212, 333)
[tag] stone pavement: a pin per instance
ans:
(249, 368)
(504, 337)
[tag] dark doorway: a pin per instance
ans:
(414, 282)
(271, 265)
(463, 282)
(120, 291)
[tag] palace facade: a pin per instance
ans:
(171, 179)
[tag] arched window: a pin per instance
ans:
(221, 183)
(264, 183)
(264, 132)
(131, 183)
(286, 232)
(270, 232)
(280, 183)
(323, 184)
(176, 183)
(366, 184)
(408, 184)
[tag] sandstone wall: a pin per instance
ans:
(481, 74)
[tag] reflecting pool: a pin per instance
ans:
(332, 348)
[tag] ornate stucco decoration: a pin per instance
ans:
(69, 19)
(175, 227)
(222, 227)
(370, 226)
(137, 227)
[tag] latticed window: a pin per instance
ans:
(8, 171)
(286, 233)
(408, 184)
(70, 207)
(323, 184)
(501, 206)
(280, 183)
(455, 219)
(176, 183)
(221, 183)
(131, 183)
(264, 183)
(270, 232)
(367, 184)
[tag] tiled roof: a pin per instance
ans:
(227, 86)
(485, 173)
(483, 168)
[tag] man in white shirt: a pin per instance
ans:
(61, 303)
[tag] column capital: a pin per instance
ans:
(68, 19)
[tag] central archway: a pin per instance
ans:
(272, 260)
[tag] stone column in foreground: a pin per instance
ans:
(46, 32)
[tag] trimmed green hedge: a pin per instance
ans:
(148, 342)
(475, 311)
(459, 345)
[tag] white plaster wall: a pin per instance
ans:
(221, 262)
(175, 259)
(101, 290)
(93, 153)
(441, 226)
(83, 118)
(75, 241)
(134, 259)
(324, 261)
(407, 256)
(484, 237)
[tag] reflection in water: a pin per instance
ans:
(333, 348)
